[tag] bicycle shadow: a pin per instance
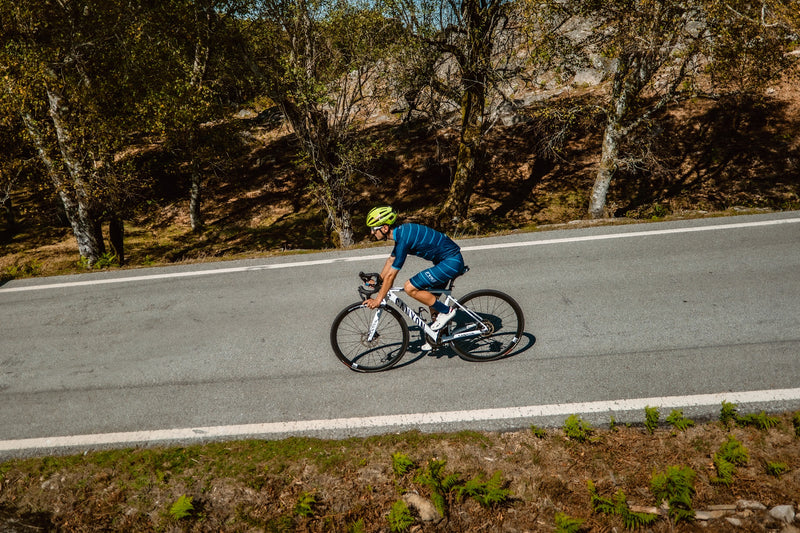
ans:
(445, 352)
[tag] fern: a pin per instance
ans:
(538, 432)
(567, 524)
(676, 487)
(305, 505)
(400, 518)
(486, 493)
(182, 508)
(728, 413)
(651, 416)
(725, 470)
(760, 421)
(776, 469)
(678, 421)
(440, 487)
(734, 452)
(619, 507)
(577, 429)
(401, 464)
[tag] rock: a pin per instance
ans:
(734, 521)
(710, 515)
(425, 509)
(750, 505)
(783, 513)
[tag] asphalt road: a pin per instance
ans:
(682, 313)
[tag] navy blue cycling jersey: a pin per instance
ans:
(421, 241)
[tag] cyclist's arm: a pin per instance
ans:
(389, 273)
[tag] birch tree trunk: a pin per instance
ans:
(69, 188)
(605, 172)
(195, 199)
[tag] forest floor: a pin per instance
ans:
(714, 161)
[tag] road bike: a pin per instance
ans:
(487, 326)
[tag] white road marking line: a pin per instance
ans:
(649, 233)
(390, 422)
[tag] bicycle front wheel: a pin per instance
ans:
(351, 342)
(502, 317)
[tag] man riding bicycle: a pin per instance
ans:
(421, 241)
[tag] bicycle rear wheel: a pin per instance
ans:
(350, 342)
(500, 313)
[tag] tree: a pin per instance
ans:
(658, 49)
(52, 60)
(193, 72)
(475, 38)
(321, 62)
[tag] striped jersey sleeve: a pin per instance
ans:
(421, 241)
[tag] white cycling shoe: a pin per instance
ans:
(443, 319)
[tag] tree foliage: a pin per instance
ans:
(655, 51)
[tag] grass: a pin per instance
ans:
(520, 479)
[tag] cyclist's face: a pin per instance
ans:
(379, 233)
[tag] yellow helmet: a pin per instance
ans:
(378, 216)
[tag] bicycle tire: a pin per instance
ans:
(499, 311)
(349, 332)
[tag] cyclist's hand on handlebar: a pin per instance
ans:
(373, 303)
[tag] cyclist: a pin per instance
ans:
(421, 241)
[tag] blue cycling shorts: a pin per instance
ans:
(438, 275)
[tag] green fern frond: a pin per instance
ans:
(486, 493)
(567, 524)
(776, 469)
(734, 452)
(182, 508)
(725, 470)
(400, 518)
(651, 416)
(729, 413)
(401, 464)
(760, 421)
(678, 421)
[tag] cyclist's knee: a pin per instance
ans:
(410, 289)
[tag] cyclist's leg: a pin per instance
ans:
(435, 277)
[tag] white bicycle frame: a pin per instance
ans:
(469, 331)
